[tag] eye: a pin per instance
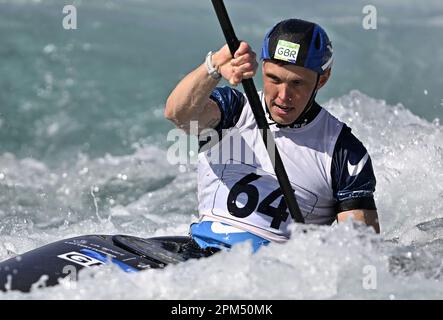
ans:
(274, 79)
(297, 82)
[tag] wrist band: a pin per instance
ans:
(211, 70)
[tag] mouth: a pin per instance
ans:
(282, 109)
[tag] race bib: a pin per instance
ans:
(254, 197)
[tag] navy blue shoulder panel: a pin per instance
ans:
(230, 102)
(353, 179)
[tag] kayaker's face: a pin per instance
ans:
(287, 90)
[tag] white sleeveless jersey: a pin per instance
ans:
(238, 186)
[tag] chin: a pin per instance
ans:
(283, 123)
(283, 120)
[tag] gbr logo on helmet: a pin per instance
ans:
(286, 51)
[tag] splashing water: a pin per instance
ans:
(323, 263)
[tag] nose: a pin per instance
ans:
(284, 94)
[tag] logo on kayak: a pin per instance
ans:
(286, 51)
(81, 259)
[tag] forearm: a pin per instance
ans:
(188, 101)
(369, 217)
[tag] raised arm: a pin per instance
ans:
(190, 101)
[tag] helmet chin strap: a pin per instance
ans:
(305, 110)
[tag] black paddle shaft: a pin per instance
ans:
(259, 114)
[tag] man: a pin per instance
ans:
(328, 167)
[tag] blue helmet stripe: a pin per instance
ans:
(265, 47)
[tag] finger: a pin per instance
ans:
(242, 49)
(236, 78)
(233, 82)
(245, 58)
(247, 67)
(238, 72)
(248, 75)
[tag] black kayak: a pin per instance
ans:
(64, 258)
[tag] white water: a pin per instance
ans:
(140, 194)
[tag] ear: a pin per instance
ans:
(324, 78)
(264, 62)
